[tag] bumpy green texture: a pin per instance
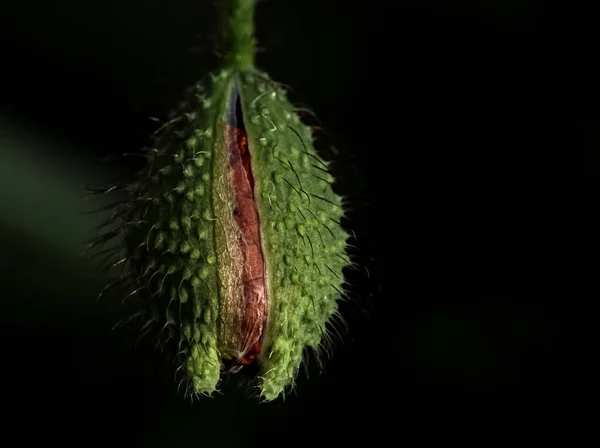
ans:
(177, 208)
(304, 243)
(173, 243)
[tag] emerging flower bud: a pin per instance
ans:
(233, 234)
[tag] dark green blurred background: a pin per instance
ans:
(435, 108)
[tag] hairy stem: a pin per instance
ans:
(238, 29)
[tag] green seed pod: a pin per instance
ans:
(237, 250)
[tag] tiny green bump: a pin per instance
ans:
(204, 272)
(197, 333)
(288, 259)
(190, 196)
(255, 119)
(295, 277)
(166, 170)
(289, 223)
(199, 191)
(197, 309)
(178, 156)
(183, 294)
(170, 316)
(212, 258)
(206, 177)
(276, 178)
(185, 247)
(199, 161)
(159, 241)
(195, 254)
(186, 223)
(195, 282)
(173, 224)
(206, 336)
(188, 171)
(192, 142)
(305, 160)
(263, 141)
(208, 132)
(181, 187)
(190, 368)
(186, 330)
(301, 229)
(281, 226)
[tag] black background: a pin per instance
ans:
(439, 111)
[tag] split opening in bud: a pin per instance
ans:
(249, 309)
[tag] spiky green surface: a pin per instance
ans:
(179, 208)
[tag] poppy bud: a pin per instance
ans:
(237, 251)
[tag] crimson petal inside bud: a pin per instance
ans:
(245, 314)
